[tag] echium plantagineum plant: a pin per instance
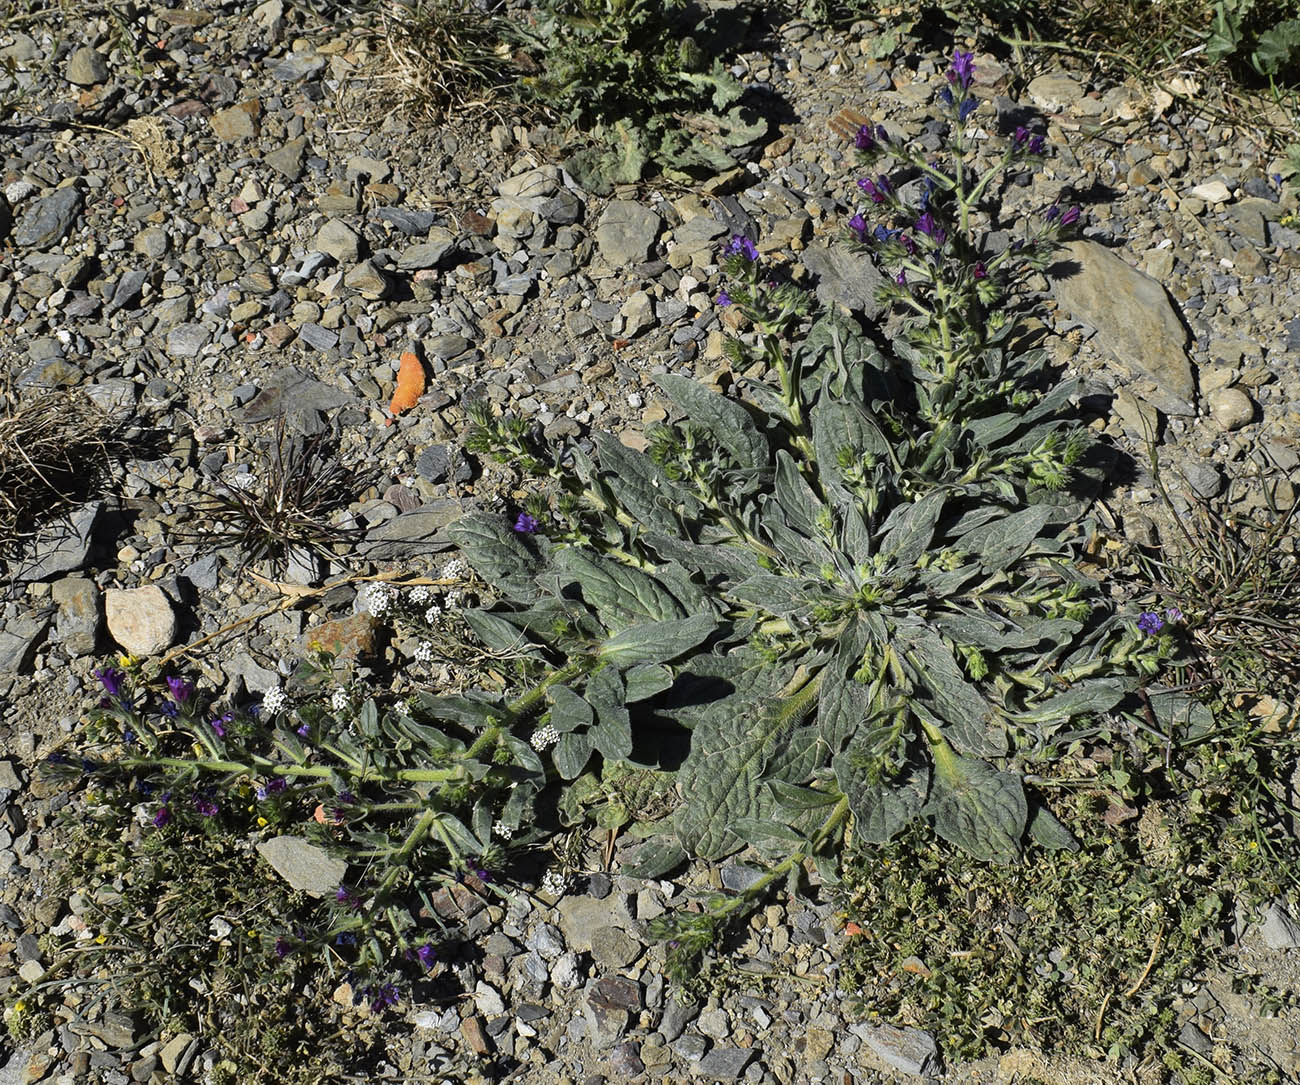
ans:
(855, 585)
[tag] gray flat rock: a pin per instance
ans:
(46, 221)
(63, 547)
(417, 532)
(844, 278)
(307, 867)
(1134, 318)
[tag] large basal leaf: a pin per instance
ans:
(657, 642)
(910, 528)
(612, 731)
(797, 500)
(498, 555)
(729, 423)
(721, 780)
(1003, 542)
(646, 681)
(1083, 698)
(620, 595)
(710, 561)
(569, 712)
(995, 634)
(880, 808)
(959, 709)
(975, 806)
(572, 753)
(1046, 831)
(655, 858)
(842, 701)
(642, 488)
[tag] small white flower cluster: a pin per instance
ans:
(274, 700)
(554, 883)
(454, 568)
(544, 738)
(339, 700)
(424, 652)
(420, 595)
(502, 830)
(377, 598)
(453, 598)
(433, 614)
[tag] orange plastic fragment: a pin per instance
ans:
(410, 384)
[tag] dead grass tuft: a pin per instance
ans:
(448, 56)
(56, 450)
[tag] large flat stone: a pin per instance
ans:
(307, 867)
(1134, 318)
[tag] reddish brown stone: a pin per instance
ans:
(472, 1029)
(354, 639)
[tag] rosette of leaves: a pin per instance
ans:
(835, 641)
(635, 75)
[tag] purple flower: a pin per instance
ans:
(859, 226)
(863, 141)
(901, 278)
(881, 134)
(1070, 217)
(1036, 145)
(908, 244)
(304, 730)
(980, 271)
(345, 938)
(206, 807)
(283, 948)
(967, 107)
(483, 875)
(723, 299)
(1020, 135)
(945, 96)
(219, 725)
(162, 817)
(1052, 213)
(962, 70)
(111, 679)
(931, 229)
(1173, 614)
(383, 997)
(1150, 623)
(128, 737)
(426, 955)
(525, 524)
(273, 787)
(879, 190)
(742, 246)
(180, 690)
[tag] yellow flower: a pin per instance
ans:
(262, 822)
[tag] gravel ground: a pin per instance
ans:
(234, 224)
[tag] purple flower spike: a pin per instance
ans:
(111, 679)
(967, 107)
(859, 226)
(162, 817)
(180, 690)
(1070, 217)
(963, 69)
(724, 299)
(1150, 623)
(742, 246)
(863, 141)
(525, 524)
